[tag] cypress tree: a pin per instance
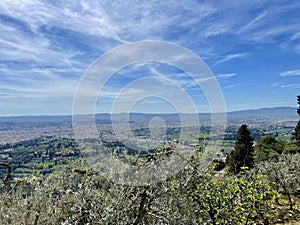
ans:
(242, 155)
(294, 145)
(296, 135)
(298, 101)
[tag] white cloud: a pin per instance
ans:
(230, 86)
(267, 35)
(74, 15)
(226, 75)
(215, 29)
(277, 85)
(290, 86)
(295, 36)
(271, 22)
(33, 50)
(122, 21)
(57, 88)
(183, 80)
(253, 22)
(290, 73)
(231, 56)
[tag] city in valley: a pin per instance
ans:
(279, 122)
(43, 143)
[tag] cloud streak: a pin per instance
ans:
(276, 85)
(230, 57)
(290, 73)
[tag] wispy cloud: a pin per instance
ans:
(290, 86)
(253, 22)
(32, 89)
(226, 75)
(230, 57)
(290, 73)
(186, 82)
(230, 86)
(63, 15)
(264, 29)
(277, 85)
(295, 36)
(215, 29)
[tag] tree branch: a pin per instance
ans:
(8, 173)
(141, 210)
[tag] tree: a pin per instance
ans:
(284, 175)
(219, 199)
(268, 147)
(297, 128)
(291, 148)
(294, 145)
(298, 101)
(242, 155)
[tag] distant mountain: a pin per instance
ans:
(37, 119)
(276, 113)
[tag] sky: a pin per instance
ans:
(251, 47)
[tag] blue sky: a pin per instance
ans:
(252, 47)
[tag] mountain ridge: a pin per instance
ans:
(266, 111)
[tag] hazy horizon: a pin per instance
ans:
(162, 113)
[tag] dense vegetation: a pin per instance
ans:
(38, 156)
(267, 194)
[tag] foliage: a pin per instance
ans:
(294, 145)
(284, 175)
(268, 148)
(233, 200)
(291, 148)
(41, 155)
(242, 155)
(296, 135)
(298, 101)
(77, 195)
